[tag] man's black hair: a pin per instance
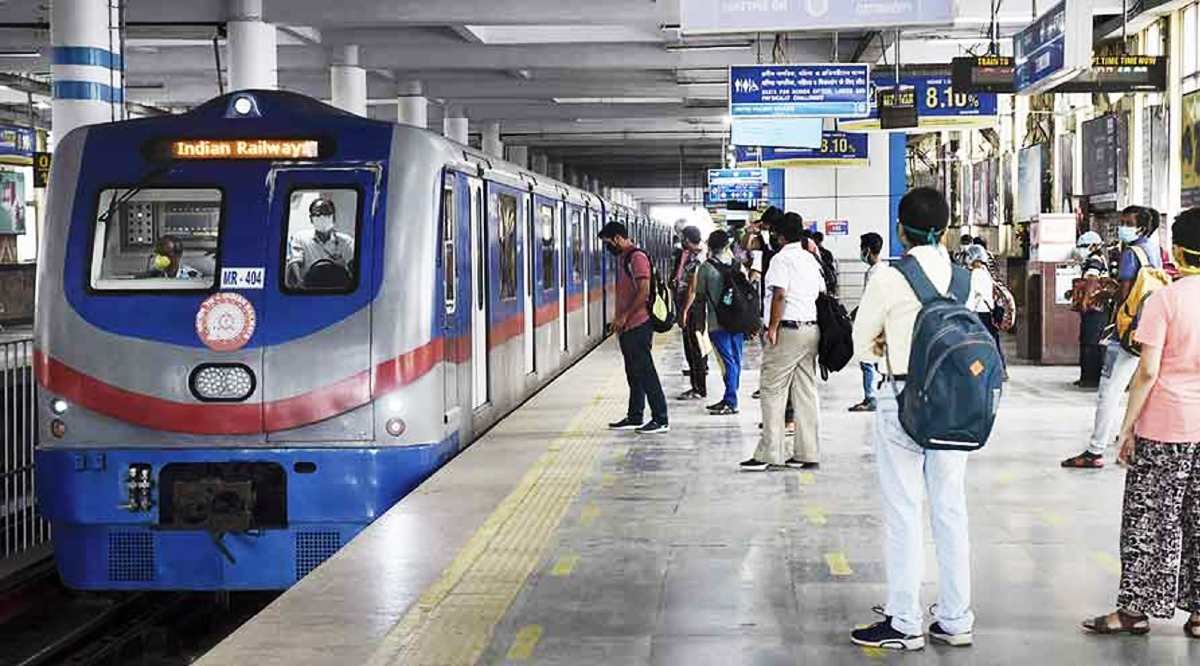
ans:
(1186, 234)
(965, 239)
(924, 215)
(871, 242)
(718, 240)
(818, 237)
(791, 228)
(1148, 220)
(612, 230)
(980, 241)
(771, 216)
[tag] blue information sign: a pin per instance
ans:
(799, 91)
(837, 149)
(938, 105)
(1040, 50)
(744, 185)
(16, 141)
(698, 16)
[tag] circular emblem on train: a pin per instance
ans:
(225, 322)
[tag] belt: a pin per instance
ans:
(796, 324)
(896, 378)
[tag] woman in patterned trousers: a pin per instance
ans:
(1160, 444)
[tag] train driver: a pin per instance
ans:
(325, 245)
(168, 261)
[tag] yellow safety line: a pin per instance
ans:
(874, 652)
(815, 515)
(838, 565)
(807, 478)
(589, 514)
(453, 621)
(525, 642)
(565, 565)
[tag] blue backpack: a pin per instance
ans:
(955, 372)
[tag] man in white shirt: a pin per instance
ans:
(907, 473)
(324, 243)
(790, 355)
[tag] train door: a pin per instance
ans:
(312, 371)
(585, 254)
(479, 295)
(530, 330)
(560, 251)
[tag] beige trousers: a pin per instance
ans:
(790, 365)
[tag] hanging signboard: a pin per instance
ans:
(17, 142)
(897, 107)
(780, 132)
(938, 105)
(1191, 150)
(1119, 73)
(41, 169)
(1055, 48)
(984, 74)
(740, 16)
(799, 91)
(746, 186)
(1101, 142)
(838, 149)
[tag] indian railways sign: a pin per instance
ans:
(245, 149)
(715, 16)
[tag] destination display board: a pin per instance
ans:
(799, 91)
(938, 105)
(1116, 73)
(716, 16)
(245, 149)
(996, 74)
(745, 186)
(897, 107)
(838, 149)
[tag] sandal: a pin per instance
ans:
(1084, 460)
(1192, 628)
(1129, 624)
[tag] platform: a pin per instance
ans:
(555, 541)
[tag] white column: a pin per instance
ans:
(86, 66)
(411, 106)
(349, 81)
(555, 170)
(491, 140)
(455, 126)
(540, 163)
(518, 155)
(1175, 116)
(252, 57)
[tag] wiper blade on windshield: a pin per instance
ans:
(132, 192)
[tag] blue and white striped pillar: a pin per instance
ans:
(252, 57)
(86, 67)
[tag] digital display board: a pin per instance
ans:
(1120, 73)
(747, 186)
(245, 149)
(799, 91)
(995, 74)
(897, 107)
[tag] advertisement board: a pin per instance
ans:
(838, 149)
(1191, 150)
(939, 106)
(12, 202)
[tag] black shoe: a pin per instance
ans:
(757, 394)
(864, 406)
(654, 428)
(724, 410)
(753, 465)
(625, 424)
(800, 464)
(716, 405)
(882, 635)
(690, 394)
(937, 633)
(687, 372)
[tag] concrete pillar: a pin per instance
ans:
(518, 155)
(455, 126)
(556, 170)
(252, 57)
(349, 81)
(1174, 99)
(540, 163)
(411, 106)
(491, 140)
(87, 71)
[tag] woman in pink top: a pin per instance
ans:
(1160, 444)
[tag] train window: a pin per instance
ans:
(507, 241)
(156, 239)
(546, 217)
(576, 247)
(321, 228)
(449, 230)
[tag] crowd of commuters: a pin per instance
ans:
(1157, 358)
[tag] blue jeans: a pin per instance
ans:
(729, 346)
(868, 372)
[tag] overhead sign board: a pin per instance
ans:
(939, 106)
(1055, 48)
(838, 149)
(897, 107)
(780, 132)
(995, 74)
(16, 141)
(716, 16)
(799, 91)
(747, 186)
(1117, 73)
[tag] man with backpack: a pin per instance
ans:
(1140, 273)
(829, 265)
(730, 304)
(944, 379)
(635, 331)
(790, 356)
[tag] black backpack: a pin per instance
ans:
(837, 335)
(659, 303)
(737, 306)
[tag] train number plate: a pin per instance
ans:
(242, 278)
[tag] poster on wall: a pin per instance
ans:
(1191, 150)
(12, 202)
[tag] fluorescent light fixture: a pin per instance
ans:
(726, 46)
(20, 54)
(618, 100)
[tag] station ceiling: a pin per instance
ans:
(609, 87)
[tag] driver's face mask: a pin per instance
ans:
(161, 262)
(323, 223)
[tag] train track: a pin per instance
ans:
(41, 622)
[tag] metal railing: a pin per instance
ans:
(22, 529)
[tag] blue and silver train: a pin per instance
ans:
(263, 322)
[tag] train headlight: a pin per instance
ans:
(225, 382)
(59, 406)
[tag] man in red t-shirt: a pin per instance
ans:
(635, 333)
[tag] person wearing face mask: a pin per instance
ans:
(1139, 227)
(1091, 298)
(167, 261)
(871, 247)
(325, 243)
(692, 321)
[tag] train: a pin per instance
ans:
(261, 323)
